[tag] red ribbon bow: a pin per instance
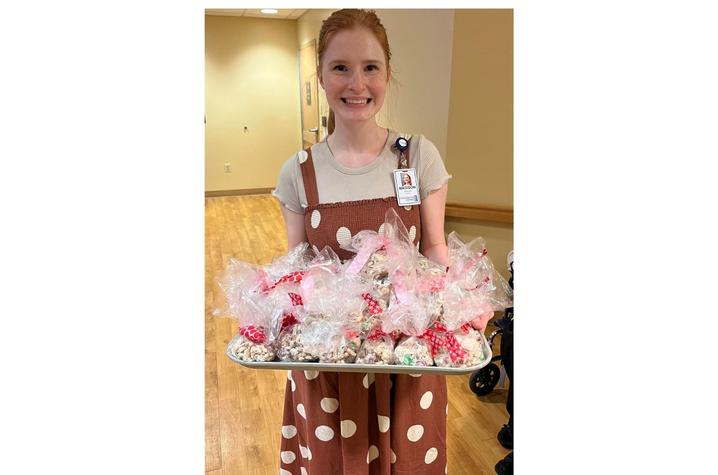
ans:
(439, 336)
(374, 307)
(288, 320)
(376, 333)
(294, 277)
(296, 299)
(253, 334)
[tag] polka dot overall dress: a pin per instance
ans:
(360, 423)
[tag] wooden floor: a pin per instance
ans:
(244, 407)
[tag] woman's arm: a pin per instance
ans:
(433, 241)
(294, 223)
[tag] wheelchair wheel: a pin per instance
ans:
(484, 381)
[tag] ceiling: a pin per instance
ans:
(287, 14)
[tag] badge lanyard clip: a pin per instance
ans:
(402, 145)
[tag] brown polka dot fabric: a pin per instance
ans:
(360, 423)
(363, 424)
(334, 224)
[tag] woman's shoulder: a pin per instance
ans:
(422, 148)
(292, 165)
(297, 158)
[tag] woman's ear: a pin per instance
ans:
(319, 77)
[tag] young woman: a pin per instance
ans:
(355, 423)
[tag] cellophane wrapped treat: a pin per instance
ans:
(410, 314)
(413, 351)
(240, 286)
(295, 339)
(291, 347)
(377, 348)
(461, 348)
(472, 288)
(471, 268)
(330, 314)
(260, 299)
(387, 305)
(372, 262)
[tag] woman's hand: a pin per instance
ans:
(482, 320)
(485, 314)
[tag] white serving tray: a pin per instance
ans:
(361, 368)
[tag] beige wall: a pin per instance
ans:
(308, 26)
(480, 137)
(480, 132)
(251, 79)
(418, 98)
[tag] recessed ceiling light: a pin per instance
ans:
(270, 11)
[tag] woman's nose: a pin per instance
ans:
(356, 82)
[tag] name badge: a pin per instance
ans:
(407, 186)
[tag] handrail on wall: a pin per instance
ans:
(480, 213)
(490, 214)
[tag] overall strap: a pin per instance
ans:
(310, 179)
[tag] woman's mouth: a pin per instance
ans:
(362, 101)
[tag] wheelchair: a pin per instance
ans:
(483, 381)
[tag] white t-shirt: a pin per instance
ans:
(337, 183)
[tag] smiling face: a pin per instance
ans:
(354, 75)
(406, 178)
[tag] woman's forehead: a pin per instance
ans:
(358, 44)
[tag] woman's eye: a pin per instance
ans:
(340, 67)
(372, 67)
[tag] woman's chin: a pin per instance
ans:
(364, 116)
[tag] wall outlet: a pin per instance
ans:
(227, 167)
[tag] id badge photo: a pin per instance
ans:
(407, 186)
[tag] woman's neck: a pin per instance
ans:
(357, 145)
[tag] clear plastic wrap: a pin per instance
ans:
(460, 306)
(294, 260)
(261, 299)
(256, 343)
(377, 348)
(471, 269)
(459, 349)
(308, 306)
(258, 319)
(413, 351)
(332, 313)
(290, 344)
(380, 254)
(410, 314)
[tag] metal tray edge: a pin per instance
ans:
(359, 368)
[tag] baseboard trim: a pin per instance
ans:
(248, 191)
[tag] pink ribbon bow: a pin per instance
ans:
(432, 284)
(372, 244)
